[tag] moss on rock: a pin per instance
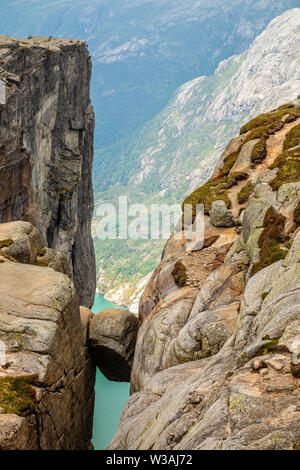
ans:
(17, 396)
(9, 258)
(292, 138)
(43, 263)
(272, 119)
(289, 168)
(179, 274)
(213, 190)
(270, 240)
(6, 242)
(245, 192)
(297, 214)
(235, 177)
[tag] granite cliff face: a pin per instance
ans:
(217, 358)
(47, 374)
(46, 147)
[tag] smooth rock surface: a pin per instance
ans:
(216, 360)
(41, 328)
(112, 337)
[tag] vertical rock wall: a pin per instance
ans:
(46, 147)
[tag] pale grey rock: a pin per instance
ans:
(243, 161)
(220, 216)
(242, 87)
(17, 433)
(219, 402)
(182, 144)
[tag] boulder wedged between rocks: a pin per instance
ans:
(112, 338)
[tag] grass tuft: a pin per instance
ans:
(17, 396)
(179, 274)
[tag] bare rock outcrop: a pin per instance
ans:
(216, 363)
(46, 147)
(47, 373)
(112, 338)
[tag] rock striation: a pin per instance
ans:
(216, 364)
(47, 373)
(46, 147)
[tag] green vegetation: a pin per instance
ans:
(179, 274)
(271, 119)
(260, 128)
(42, 252)
(266, 124)
(229, 161)
(267, 347)
(292, 138)
(17, 396)
(297, 214)
(270, 240)
(289, 168)
(259, 152)
(286, 106)
(235, 177)
(245, 192)
(43, 263)
(9, 258)
(6, 242)
(296, 444)
(122, 262)
(264, 295)
(208, 193)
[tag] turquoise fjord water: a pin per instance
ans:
(110, 396)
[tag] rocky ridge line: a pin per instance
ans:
(216, 364)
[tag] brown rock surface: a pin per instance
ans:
(112, 337)
(216, 361)
(41, 328)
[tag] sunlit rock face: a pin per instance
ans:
(47, 373)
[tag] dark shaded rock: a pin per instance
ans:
(112, 338)
(46, 147)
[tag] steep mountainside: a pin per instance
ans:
(46, 147)
(181, 146)
(143, 50)
(178, 150)
(217, 359)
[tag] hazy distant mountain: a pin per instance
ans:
(143, 50)
(182, 144)
(176, 152)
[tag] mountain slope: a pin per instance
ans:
(142, 50)
(217, 357)
(177, 151)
